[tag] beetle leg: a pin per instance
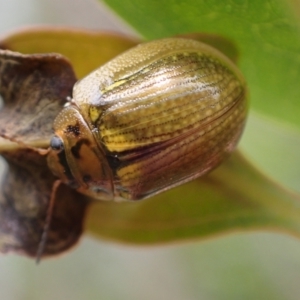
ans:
(46, 228)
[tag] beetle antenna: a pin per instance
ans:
(43, 240)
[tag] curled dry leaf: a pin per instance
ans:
(34, 88)
(24, 197)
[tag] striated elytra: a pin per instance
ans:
(156, 116)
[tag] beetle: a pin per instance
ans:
(161, 114)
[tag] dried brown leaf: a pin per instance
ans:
(34, 89)
(24, 197)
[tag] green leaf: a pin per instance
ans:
(274, 147)
(265, 32)
(224, 45)
(234, 197)
(86, 50)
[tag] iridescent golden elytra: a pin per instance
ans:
(161, 114)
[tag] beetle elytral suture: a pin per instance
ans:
(158, 115)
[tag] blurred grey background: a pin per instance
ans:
(90, 14)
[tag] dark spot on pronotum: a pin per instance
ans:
(63, 162)
(74, 129)
(76, 149)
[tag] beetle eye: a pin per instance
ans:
(56, 143)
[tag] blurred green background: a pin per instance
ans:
(238, 266)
